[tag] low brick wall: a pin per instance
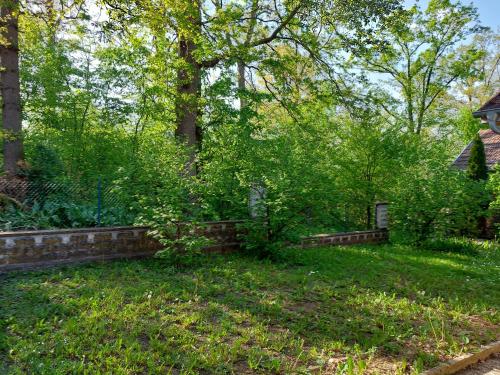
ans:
(350, 238)
(37, 248)
(45, 247)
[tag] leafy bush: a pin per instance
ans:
(182, 242)
(433, 200)
(494, 186)
(266, 237)
(45, 165)
(57, 214)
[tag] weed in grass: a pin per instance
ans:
(363, 309)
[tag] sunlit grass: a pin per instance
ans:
(365, 309)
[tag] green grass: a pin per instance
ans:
(346, 310)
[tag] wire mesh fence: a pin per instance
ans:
(37, 204)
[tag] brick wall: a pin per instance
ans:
(37, 248)
(350, 238)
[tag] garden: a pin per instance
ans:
(386, 309)
(289, 119)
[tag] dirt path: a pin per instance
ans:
(489, 367)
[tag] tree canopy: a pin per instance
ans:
(188, 107)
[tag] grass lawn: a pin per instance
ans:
(348, 310)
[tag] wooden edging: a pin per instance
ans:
(460, 363)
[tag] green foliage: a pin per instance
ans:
(45, 165)
(369, 163)
(182, 241)
(423, 56)
(433, 200)
(476, 166)
(494, 185)
(289, 164)
(467, 125)
(181, 250)
(59, 213)
(99, 100)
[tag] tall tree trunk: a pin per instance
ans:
(10, 87)
(189, 88)
(188, 94)
(242, 83)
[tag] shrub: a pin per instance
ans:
(476, 167)
(45, 165)
(182, 243)
(433, 200)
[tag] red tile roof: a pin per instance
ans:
(491, 142)
(493, 103)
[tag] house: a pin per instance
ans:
(491, 142)
(489, 113)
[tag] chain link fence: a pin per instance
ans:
(27, 205)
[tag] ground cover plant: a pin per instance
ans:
(384, 309)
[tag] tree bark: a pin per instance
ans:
(242, 84)
(10, 88)
(189, 90)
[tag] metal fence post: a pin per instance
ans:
(99, 201)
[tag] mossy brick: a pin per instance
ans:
(125, 234)
(78, 239)
(99, 237)
(24, 243)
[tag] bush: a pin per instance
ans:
(56, 214)
(265, 238)
(433, 200)
(182, 243)
(476, 167)
(494, 186)
(45, 165)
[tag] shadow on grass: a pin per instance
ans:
(337, 300)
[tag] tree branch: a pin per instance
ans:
(214, 61)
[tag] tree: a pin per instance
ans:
(476, 167)
(370, 149)
(10, 87)
(466, 125)
(422, 59)
(220, 34)
(480, 87)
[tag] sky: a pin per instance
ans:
(489, 11)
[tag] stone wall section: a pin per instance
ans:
(348, 238)
(36, 248)
(46, 247)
